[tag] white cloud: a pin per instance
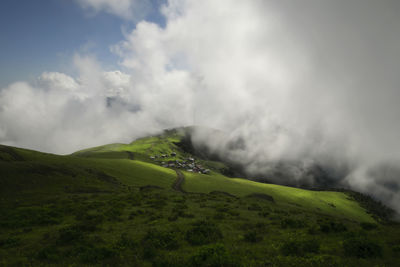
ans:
(126, 9)
(56, 80)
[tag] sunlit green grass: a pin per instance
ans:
(332, 203)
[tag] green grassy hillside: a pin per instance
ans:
(113, 205)
(331, 203)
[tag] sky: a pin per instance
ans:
(39, 36)
(307, 83)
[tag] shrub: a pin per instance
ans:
(361, 247)
(9, 242)
(161, 239)
(173, 217)
(310, 261)
(299, 248)
(88, 222)
(290, 248)
(157, 203)
(332, 227)
(49, 253)
(368, 226)
(222, 208)
(254, 207)
(312, 230)
(233, 213)
(291, 223)
(396, 249)
(263, 214)
(219, 216)
(203, 232)
(213, 256)
(125, 242)
(113, 214)
(92, 255)
(31, 216)
(135, 213)
(310, 246)
(168, 261)
(135, 199)
(68, 235)
(253, 237)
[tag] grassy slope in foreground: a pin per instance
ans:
(42, 224)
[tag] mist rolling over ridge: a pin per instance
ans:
(312, 88)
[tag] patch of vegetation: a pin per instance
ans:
(213, 256)
(253, 236)
(10, 242)
(362, 247)
(95, 254)
(376, 208)
(300, 247)
(292, 223)
(69, 235)
(368, 226)
(203, 232)
(30, 216)
(161, 239)
(329, 226)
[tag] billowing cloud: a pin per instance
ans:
(56, 80)
(306, 84)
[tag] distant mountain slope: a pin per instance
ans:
(24, 171)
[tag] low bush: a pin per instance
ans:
(213, 256)
(299, 247)
(166, 260)
(332, 227)
(126, 242)
(233, 213)
(93, 255)
(31, 216)
(263, 214)
(368, 226)
(222, 208)
(361, 247)
(49, 253)
(203, 232)
(157, 203)
(396, 249)
(69, 235)
(310, 261)
(89, 222)
(219, 216)
(10, 242)
(113, 214)
(291, 223)
(254, 207)
(252, 237)
(161, 239)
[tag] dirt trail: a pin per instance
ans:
(180, 178)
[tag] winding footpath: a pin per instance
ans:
(180, 178)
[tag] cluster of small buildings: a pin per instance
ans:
(188, 164)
